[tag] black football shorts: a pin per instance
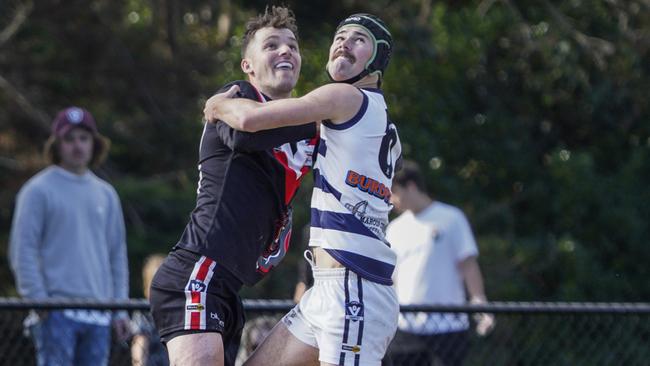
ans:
(191, 293)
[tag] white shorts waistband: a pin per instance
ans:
(324, 274)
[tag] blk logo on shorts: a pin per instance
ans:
(215, 316)
(287, 318)
(354, 311)
(196, 286)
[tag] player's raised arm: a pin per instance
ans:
(335, 102)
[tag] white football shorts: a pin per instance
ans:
(349, 319)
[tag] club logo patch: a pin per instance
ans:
(354, 311)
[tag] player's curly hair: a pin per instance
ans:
(276, 16)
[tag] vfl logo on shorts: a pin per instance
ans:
(196, 286)
(354, 311)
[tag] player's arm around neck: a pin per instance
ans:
(335, 102)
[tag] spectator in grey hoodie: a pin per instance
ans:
(68, 241)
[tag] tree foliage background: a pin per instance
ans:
(532, 116)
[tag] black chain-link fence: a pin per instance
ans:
(524, 333)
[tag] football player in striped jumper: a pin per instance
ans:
(350, 314)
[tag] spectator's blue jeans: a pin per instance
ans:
(66, 342)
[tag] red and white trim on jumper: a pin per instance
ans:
(196, 291)
(296, 158)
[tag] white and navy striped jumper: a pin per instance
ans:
(351, 198)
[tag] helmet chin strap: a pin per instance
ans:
(351, 80)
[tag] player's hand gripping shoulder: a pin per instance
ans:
(335, 102)
(217, 108)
